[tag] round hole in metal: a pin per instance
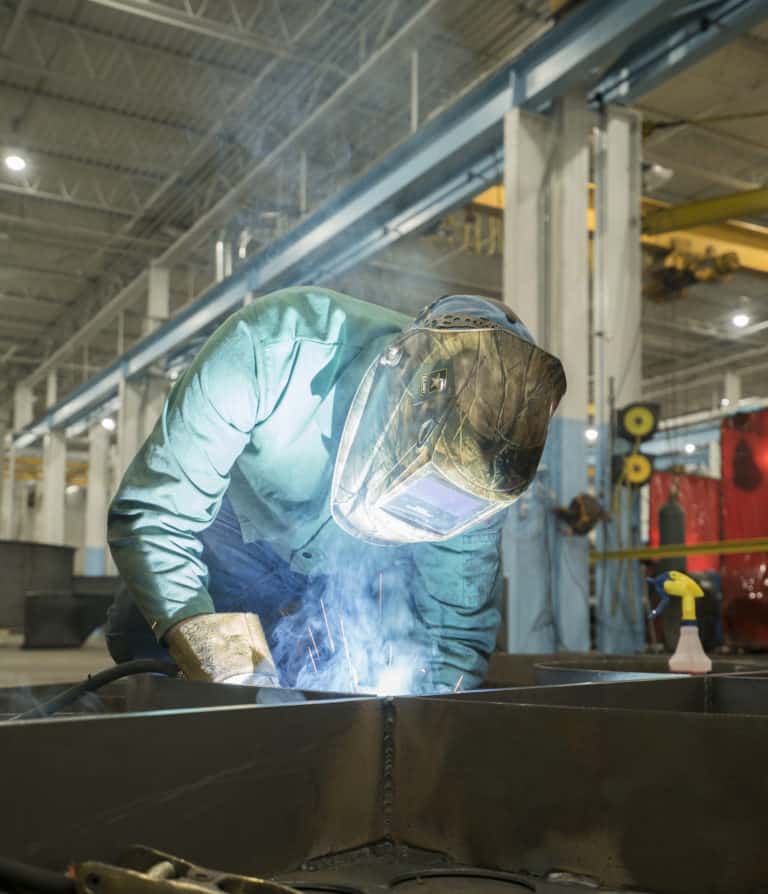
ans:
(459, 882)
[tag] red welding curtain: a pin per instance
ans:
(700, 500)
(745, 514)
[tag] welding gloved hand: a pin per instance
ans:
(227, 647)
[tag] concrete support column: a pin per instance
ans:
(546, 282)
(50, 523)
(155, 393)
(618, 358)
(732, 390)
(97, 501)
(158, 298)
(223, 258)
(17, 512)
(158, 309)
(6, 483)
(54, 483)
(23, 406)
(51, 388)
(129, 423)
(8, 506)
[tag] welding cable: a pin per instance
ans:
(126, 669)
(15, 876)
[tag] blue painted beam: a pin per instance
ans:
(699, 29)
(446, 162)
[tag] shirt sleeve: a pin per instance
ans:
(173, 488)
(456, 597)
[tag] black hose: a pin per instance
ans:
(126, 669)
(15, 875)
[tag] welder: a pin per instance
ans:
(320, 447)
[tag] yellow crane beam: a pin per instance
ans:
(748, 241)
(707, 211)
(30, 468)
(674, 550)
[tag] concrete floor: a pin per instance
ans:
(26, 667)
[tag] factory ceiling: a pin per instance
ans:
(156, 126)
(137, 119)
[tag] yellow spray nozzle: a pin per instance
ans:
(675, 583)
(679, 584)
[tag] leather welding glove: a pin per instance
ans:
(227, 647)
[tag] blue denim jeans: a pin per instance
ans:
(243, 577)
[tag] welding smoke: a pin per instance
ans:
(355, 628)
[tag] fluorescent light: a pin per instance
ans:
(591, 434)
(740, 320)
(15, 162)
(690, 448)
(109, 423)
(725, 402)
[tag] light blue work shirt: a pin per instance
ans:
(258, 416)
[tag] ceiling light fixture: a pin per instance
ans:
(740, 320)
(109, 423)
(591, 434)
(690, 448)
(725, 402)
(15, 162)
(73, 488)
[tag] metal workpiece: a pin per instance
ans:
(150, 692)
(539, 788)
(505, 670)
(556, 670)
(247, 789)
(386, 866)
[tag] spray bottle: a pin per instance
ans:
(689, 657)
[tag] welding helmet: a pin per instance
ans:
(447, 426)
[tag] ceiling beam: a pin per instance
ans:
(9, 266)
(76, 233)
(229, 33)
(41, 195)
(50, 148)
(100, 316)
(690, 373)
(56, 96)
(440, 166)
(679, 166)
(10, 35)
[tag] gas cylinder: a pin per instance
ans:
(672, 530)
